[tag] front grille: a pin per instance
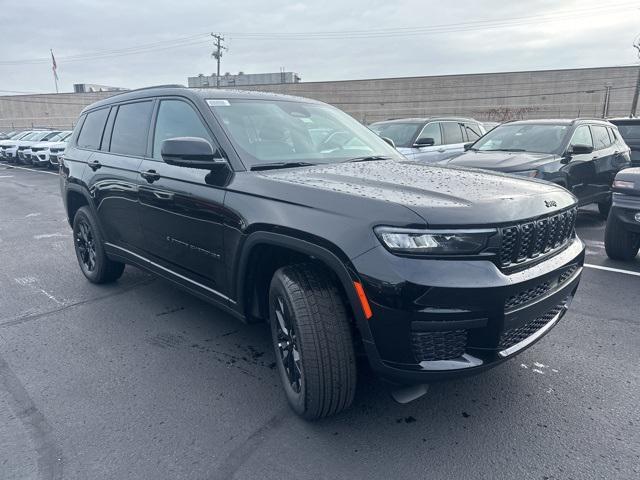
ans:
(438, 345)
(516, 335)
(529, 240)
(532, 293)
(527, 295)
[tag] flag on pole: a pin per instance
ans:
(54, 66)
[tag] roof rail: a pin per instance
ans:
(168, 85)
(588, 118)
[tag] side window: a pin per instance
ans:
(176, 119)
(92, 128)
(473, 131)
(130, 128)
(432, 130)
(612, 135)
(582, 136)
(452, 133)
(600, 137)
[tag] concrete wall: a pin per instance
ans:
(489, 96)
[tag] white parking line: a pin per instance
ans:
(6, 176)
(9, 167)
(610, 269)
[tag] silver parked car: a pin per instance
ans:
(430, 139)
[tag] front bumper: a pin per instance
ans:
(40, 157)
(439, 319)
(625, 208)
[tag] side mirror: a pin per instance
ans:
(467, 146)
(389, 141)
(193, 152)
(579, 149)
(424, 142)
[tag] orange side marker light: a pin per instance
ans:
(363, 300)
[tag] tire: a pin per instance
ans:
(604, 208)
(306, 309)
(619, 243)
(90, 252)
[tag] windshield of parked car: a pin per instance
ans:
(401, 133)
(267, 131)
(518, 137)
(628, 130)
(58, 137)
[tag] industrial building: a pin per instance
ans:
(242, 79)
(604, 91)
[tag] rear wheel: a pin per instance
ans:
(620, 243)
(93, 261)
(312, 338)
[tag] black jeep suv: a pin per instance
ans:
(582, 155)
(287, 210)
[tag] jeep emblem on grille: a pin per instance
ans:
(550, 203)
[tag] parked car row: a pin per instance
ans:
(40, 148)
(582, 155)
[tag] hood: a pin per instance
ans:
(49, 144)
(441, 196)
(501, 161)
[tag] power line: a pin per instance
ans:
(197, 39)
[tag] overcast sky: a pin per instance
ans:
(393, 38)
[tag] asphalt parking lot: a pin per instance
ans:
(141, 380)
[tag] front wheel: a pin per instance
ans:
(604, 207)
(312, 338)
(93, 260)
(620, 243)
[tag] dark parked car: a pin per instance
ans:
(622, 235)
(582, 155)
(336, 240)
(430, 139)
(629, 129)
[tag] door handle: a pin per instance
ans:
(95, 165)
(150, 175)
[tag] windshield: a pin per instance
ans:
(58, 137)
(535, 138)
(400, 133)
(267, 131)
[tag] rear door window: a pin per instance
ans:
(92, 128)
(130, 129)
(473, 131)
(600, 137)
(452, 133)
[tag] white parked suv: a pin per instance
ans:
(40, 153)
(9, 147)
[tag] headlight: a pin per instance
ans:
(434, 242)
(526, 173)
(623, 184)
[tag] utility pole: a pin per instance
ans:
(217, 54)
(634, 102)
(607, 99)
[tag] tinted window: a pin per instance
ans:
(628, 130)
(582, 136)
(177, 119)
(91, 132)
(473, 131)
(432, 130)
(400, 133)
(130, 129)
(452, 132)
(600, 137)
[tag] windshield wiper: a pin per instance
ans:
(369, 158)
(275, 165)
(505, 150)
